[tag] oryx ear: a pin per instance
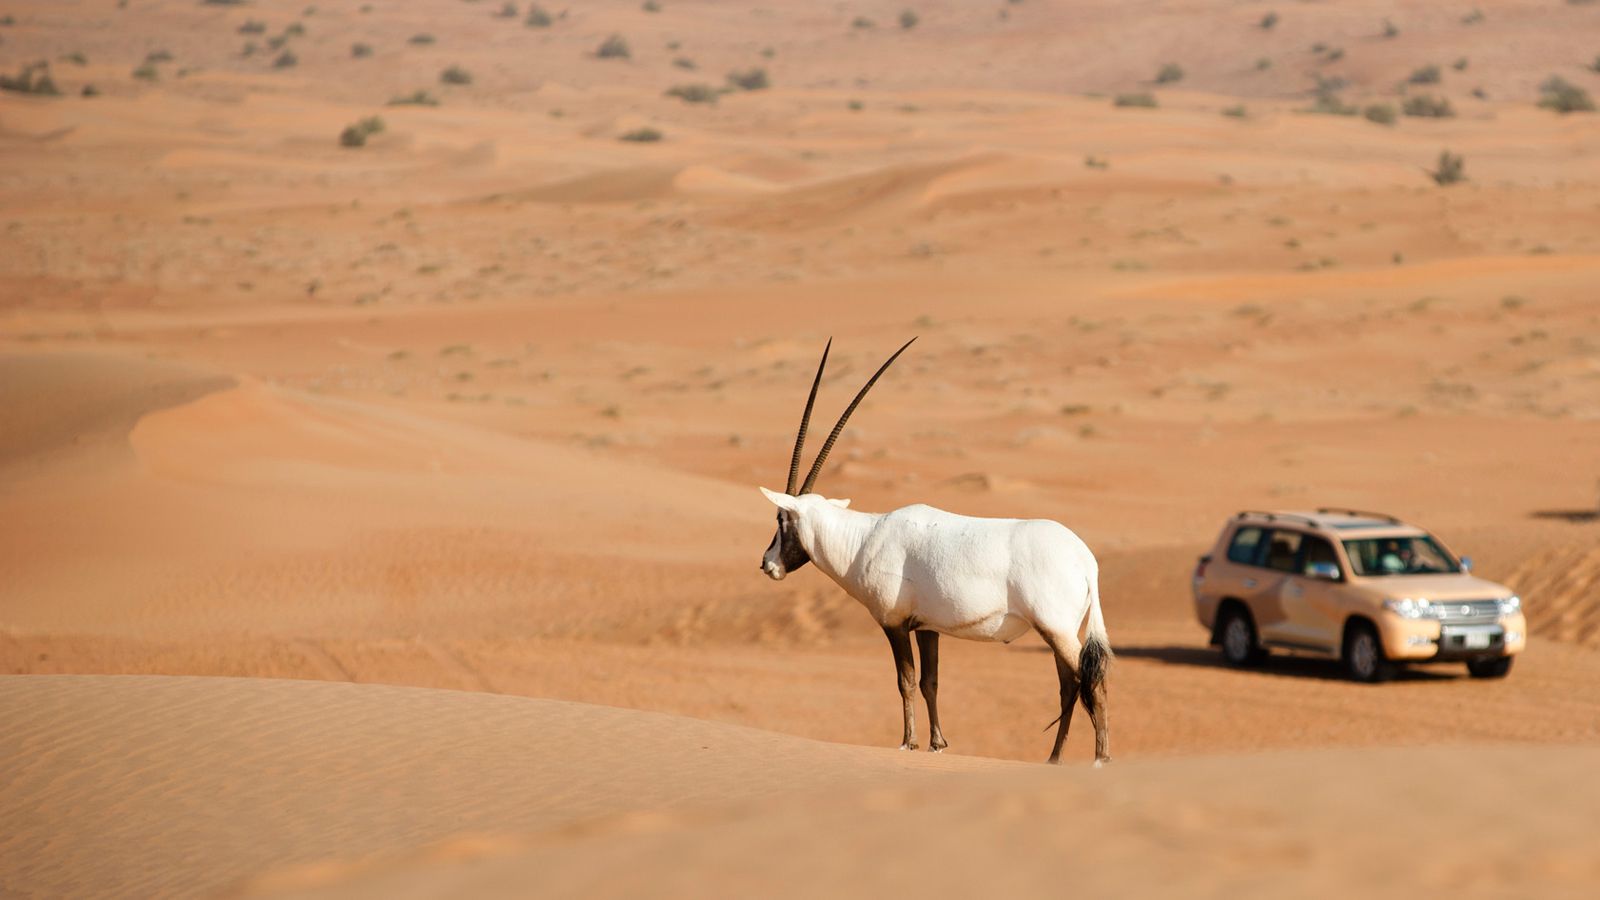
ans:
(839, 503)
(781, 501)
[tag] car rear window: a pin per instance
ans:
(1245, 544)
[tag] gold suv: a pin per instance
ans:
(1362, 587)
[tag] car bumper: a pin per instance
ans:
(1421, 639)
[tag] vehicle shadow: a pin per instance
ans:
(1277, 664)
(1575, 516)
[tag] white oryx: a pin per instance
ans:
(925, 571)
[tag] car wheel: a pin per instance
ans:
(1494, 667)
(1238, 639)
(1363, 656)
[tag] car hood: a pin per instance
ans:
(1450, 586)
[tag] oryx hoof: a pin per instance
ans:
(909, 745)
(1102, 761)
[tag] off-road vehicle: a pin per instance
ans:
(1365, 588)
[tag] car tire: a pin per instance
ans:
(1493, 667)
(1363, 656)
(1236, 635)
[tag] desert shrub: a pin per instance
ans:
(1428, 74)
(1263, 64)
(360, 51)
(253, 26)
(420, 40)
(1096, 162)
(1460, 65)
(1563, 96)
(146, 72)
(31, 79)
(1382, 113)
(295, 29)
(90, 90)
(1480, 93)
(749, 79)
(507, 11)
(76, 57)
(1473, 18)
(537, 17)
(641, 136)
(276, 42)
(1390, 30)
(1236, 112)
(650, 6)
(1450, 170)
(223, 2)
(249, 49)
(1328, 103)
(418, 97)
(285, 60)
(613, 47)
(1269, 21)
(1595, 66)
(1142, 100)
(1427, 106)
(685, 63)
(1335, 54)
(372, 124)
(455, 75)
(356, 135)
(694, 93)
(863, 23)
(158, 56)
(909, 19)
(1171, 73)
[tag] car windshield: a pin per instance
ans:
(1412, 555)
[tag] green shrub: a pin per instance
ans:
(1236, 112)
(295, 29)
(749, 79)
(419, 97)
(31, 79)
(1428, 74)
(1451, 169)
(1563, 96)
(537, 17)
(1382, 113)
(455, 75)
(158, 56)
(1460, 65)
(863, 23)
(507, 11)
(685, 63)
(360, 51)
(613, 47)
(420, 40)
(651, 6)
(694, 93)
(146, 72)
(1390, 30)
(1171, 73)
(1426, 106)
(352, 136)
(909, 19)
(1473, 18)
(641, 136)
(1142, 100)
(253, 26)
(1328, 103)
(1269, 21)
(76, 57)
(1263, 64)
(285, 60)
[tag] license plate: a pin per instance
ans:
(1477, 641)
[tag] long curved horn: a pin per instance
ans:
(805, 421)
(822, 455)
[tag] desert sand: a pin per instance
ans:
(479, 408)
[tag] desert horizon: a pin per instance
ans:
(385, 389)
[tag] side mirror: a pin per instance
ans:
(1327, 571)
(1466, 564)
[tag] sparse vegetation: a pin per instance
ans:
(650, 6)
(32, 79)
(1563, 96)
(285, 60)
(455, 75)
(685, 63)
(1263, 64)
(1594, 66)
(537, 17)
(1427, 106)
(1328, 103)
(645, 135)
(1381, 113)
(420, 40)
(76, 57)
(909, 19)
(1096, 162)
(158, 56)
(295, 29)
(613, 47)
(1428, 74)
(1450, 170)
(253, 26)
(1140, 100)
(1171, 73)
(360, 51)
(146, 72)
(1269, 21)
(418, 97)
(356, 135)
(749, 79)
(1473, 18)
(863, 23)
(1390, 30)
(507, 11)
(1460, 65)
(1236, 112)
(694, 93)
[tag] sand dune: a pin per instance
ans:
(310, 789)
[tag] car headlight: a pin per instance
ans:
(1407, 608)
(1511, 605)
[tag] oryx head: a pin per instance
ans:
(785, 554)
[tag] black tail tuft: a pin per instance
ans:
(1092, 665)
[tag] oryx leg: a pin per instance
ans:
(928, 650)
(1066, 653)
(906, 668)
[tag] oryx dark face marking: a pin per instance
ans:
(784, 554)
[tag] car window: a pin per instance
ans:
(1283, 548)
(1406, 555)
(1246, 544)
(1316, 550)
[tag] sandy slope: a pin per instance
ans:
(313, 789)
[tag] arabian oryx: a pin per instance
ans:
(923, 571)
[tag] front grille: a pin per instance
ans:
(1467, 612)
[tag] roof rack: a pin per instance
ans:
(1363, 513)
(1273, 517)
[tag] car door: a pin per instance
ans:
(1310, 602)
(1280, 560)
